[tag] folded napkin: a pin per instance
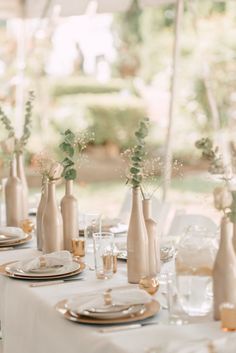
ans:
(127, 296)
(49, 260)
(12, 231)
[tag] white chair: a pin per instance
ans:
(182, 222)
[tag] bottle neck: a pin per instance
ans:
(13, 167)
(226, 232)
(44, 189)
(51, 190)
(69, 187)
(147, 211)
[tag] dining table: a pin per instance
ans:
(31, 324)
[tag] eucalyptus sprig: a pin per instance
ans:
(138, 154)
(72, 146)
(19, 143)
(22, 142)
(211, 154)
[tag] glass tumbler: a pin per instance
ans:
(92, 224)
(103, 245)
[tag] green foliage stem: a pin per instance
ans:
(72, 146)
(137, 157)
(22, 141)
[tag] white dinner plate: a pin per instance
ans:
(17, 269)
(131, 310)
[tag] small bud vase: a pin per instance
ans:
(52, 223)
(40, 212)
(153, 240)
(69, 211)
(13, 197)
(224, 271)
(25, 192)
(137, 241)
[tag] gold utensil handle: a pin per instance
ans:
(119, 328)
(42, 284)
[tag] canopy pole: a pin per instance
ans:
(175, 59)
(20, 67)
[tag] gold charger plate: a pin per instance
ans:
(152, 308)
(16, 242)
(17, 276)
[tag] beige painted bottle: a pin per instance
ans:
(40, 212)
(52, 223)
(153, 240)
(224, 271)
(13, 197)
(69, 211)
(25, 192)
(137, 241)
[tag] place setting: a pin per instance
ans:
(13, 237)
(59, 265)
(110, 307)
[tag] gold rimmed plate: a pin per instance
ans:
(5, 269)
(151, 309)
(16, 242)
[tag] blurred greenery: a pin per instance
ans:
(82, 85)
(111, 117)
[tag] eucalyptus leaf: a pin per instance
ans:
(70, 174)
(67, 148)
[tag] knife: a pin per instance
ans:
(125, 327)
(6, 248)
(52, 283)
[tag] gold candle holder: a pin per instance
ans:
(114, 263)
(228, 317)
(78, 247)
(107, 262)
(149, 284)
(27, 226)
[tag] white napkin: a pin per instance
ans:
(127, 296)
(12, 231)
(53, 259)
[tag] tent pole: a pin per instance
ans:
(175, 59)
(20, 67)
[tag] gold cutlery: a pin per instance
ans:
(6, 248)
(125, 327)
(54, 282)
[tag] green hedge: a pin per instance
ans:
(114, 119)
(111, 117)
(86, 85)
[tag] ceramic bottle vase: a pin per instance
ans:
(233, 218)
(25, 192)
(69, 211)
(40, 212)
(153, 239)
(224, 271)
(13, 197)
(52, 223)
(137, 241)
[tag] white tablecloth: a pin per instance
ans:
(30, 323)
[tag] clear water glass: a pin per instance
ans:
(103, 245)
(195, 293)
(91, 224)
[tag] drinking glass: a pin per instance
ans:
(92, 224)
(103, 244)
(177, 316)
(194, 264)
